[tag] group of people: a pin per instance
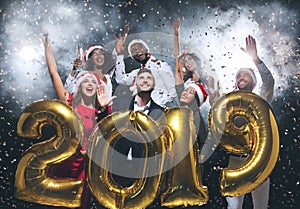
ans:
(103, 82)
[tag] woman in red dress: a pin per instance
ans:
(88, 90)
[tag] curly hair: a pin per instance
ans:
(109, 62)
(198, 62)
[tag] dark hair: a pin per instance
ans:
(144, 70)
(196, 58)
(197, 99)
(189, 74)
(109, 62)
(77, 96)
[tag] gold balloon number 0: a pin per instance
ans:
(144, 189)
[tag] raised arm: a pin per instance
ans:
(59, 88)
(122, 77)
(178, 72)
(267, 88)
(176, 26)
(102, 97)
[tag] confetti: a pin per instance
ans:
(215, 28)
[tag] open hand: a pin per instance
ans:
(176, 25)
(251, 49)
(102, 97)
(45, 37)
(120, 42)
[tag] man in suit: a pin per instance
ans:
(131, 149)
(143, 101)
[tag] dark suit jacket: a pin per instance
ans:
(155, 111)
(123, 145)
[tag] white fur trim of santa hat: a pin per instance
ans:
(136, 41)
(89, 50)
(84, 74)
(199, 88)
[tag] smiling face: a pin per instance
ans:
(89, 86)
(145, 82)
(138, 51)
(189, 62)
(97, 57)
(188, 95)
(244, 81)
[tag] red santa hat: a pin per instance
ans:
(84, 74)
(199, 88)
(89, 50)
(136, 41)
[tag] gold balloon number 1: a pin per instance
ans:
(169, 167)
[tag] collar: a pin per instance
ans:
(144, 109)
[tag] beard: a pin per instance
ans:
(248, 87)
(141, 92)
(142, 61)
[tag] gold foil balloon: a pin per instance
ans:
(33, 181)
(184, 186)
(103, 160)
(245, 123)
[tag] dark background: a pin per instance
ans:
(275, 25)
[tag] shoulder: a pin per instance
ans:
(157, 62)
(154, 105)
(131, 104)
(156, 111)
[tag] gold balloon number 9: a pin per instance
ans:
(33, 180)
(245, 124)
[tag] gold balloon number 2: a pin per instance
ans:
(33, 181)
(169, 168)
